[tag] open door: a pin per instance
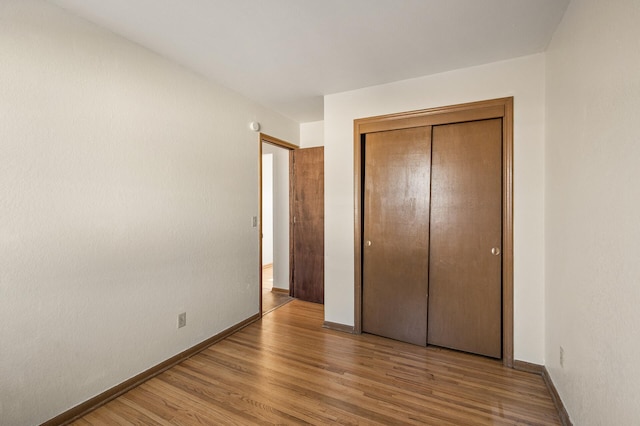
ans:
(307, 224)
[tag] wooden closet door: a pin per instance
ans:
(465, 283)
(307, 231)
(396, 234)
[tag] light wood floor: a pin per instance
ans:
(287, 369)
(271, 299)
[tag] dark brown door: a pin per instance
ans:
(465, 284)
(396, 234)
(307, 230)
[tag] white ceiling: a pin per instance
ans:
(287, 54)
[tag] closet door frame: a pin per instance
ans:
(494, 108)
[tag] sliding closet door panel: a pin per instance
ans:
(396, 234)
(465, 283)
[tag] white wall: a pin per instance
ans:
(312, 134)
(267, 209)
(128, 185)
(592, 204)
(280, 215)
(522, 78)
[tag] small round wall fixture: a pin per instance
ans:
(254, 125)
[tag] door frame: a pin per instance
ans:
(494, 108)
(264, 138)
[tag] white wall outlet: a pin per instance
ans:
(182, 319)
(561, 357)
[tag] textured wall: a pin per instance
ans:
(128, 185)
(522, 78)
(312, 134)
(592, 204)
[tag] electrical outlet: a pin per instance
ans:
(182, 319)
(254, 221)
(561, 357)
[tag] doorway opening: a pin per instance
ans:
(274, 224)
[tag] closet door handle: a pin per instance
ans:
(495, 251)
(368, 243)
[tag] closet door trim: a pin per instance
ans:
(494, 108)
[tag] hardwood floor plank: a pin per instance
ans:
(265, 390)
(234, 396)
(395, 372)
(397, 400)
(282, 376)
(288, 369)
